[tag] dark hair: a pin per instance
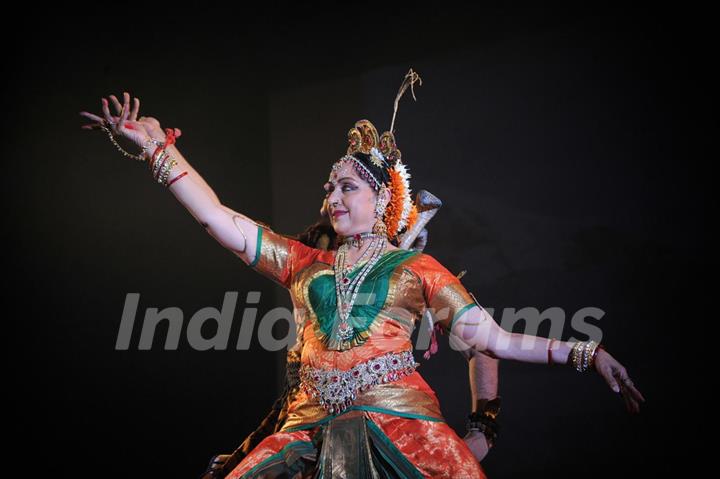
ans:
(314, 233)
(379, 172)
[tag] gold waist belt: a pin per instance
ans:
(389, 398)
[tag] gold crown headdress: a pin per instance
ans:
(401, 212)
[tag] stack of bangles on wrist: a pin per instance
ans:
(484, 419)
(582, 355)
(161, 162)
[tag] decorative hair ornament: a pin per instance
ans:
(377, 158)
(381, 166)
(401, 212)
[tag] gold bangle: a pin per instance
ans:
(583, 355)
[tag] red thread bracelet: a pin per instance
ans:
(550, 360)
(171, 136)
(177, 178)
(594, 356)
(170, 139)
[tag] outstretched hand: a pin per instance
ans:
(126, 123)
(617, 378)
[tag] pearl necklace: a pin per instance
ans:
(347, 290)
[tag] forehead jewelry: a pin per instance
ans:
(361, 170)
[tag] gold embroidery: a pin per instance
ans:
(448, 302)
(273, 261)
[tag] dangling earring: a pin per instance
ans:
(379, 228)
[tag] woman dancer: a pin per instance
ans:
(363, 409)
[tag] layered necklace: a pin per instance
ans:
(347, 289)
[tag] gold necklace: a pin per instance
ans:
(346, 290)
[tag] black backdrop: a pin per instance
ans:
(556, 142)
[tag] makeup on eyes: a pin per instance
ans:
(347, 181)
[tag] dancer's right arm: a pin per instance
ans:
(231, 229)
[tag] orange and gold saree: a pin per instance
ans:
(363, 410)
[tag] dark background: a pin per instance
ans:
(557, 142)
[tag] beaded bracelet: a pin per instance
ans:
(484, 425)
(163, 180)
(484, 419)
(139, 156)
(161, 162)
(157, 164)
(171, 136)
(170, 139)
(146, 147)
